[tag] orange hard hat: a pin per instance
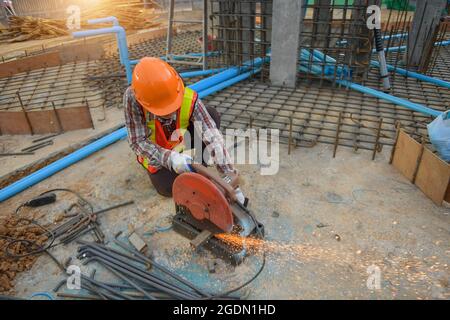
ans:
(157, 86)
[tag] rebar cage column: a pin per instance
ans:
(241, 30)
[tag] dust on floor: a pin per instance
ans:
(332, 226)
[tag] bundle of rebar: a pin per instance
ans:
(141, 277)
(81, 223)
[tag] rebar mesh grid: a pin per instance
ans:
(99, 83)
(313, 108)
(186, 42)
(315, 114)
(338, 31)
(240, 30)
(63, 85)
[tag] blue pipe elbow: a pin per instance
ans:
(112, 19)
(121, 42)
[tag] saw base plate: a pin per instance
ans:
(190, 228)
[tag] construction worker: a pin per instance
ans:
(159, 109)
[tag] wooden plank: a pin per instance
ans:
(81, 52)
(406, 155)
(74, 118)
(447, 195)
(45, 121)
(49, 59)
(13, 123)
(433, 177)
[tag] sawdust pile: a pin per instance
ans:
(12, 228)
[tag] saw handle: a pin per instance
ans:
(227, 188)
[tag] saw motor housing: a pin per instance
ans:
(206, 205)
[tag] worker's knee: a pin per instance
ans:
(164, 191)
(163, 182)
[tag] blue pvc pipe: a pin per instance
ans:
(199, 54)
(112, 19)
(422, 77)
(381, 95)
(60, 164)
(394, 36)
(218, 78)
(227, 83)
(322, 57)
(95, 146)
(199, 73)
(394, 49)
(121, 43)
(395, 100)
(442, 43)
(226, 75)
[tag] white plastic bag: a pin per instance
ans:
(439, 132)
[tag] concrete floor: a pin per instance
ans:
(326, 220)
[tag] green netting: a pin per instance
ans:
(399, 5)
(337, 2)
(391, 4)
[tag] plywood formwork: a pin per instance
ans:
(433, 176)
(10, 68)
(422, 167)
(45, 121)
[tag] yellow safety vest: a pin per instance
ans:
(158, 136)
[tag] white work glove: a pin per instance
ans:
(180, 163)
(239, 195)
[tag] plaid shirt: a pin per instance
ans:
(139, 133)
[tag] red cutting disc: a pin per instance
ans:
(203, 199)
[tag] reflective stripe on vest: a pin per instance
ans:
(182, 123)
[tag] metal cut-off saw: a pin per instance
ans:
(206, 206)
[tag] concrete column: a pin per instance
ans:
(322, 20)
(286, 24)
(421, 36)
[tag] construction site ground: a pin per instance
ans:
(326, 220)
(329, 222)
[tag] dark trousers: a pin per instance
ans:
(164, 178)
